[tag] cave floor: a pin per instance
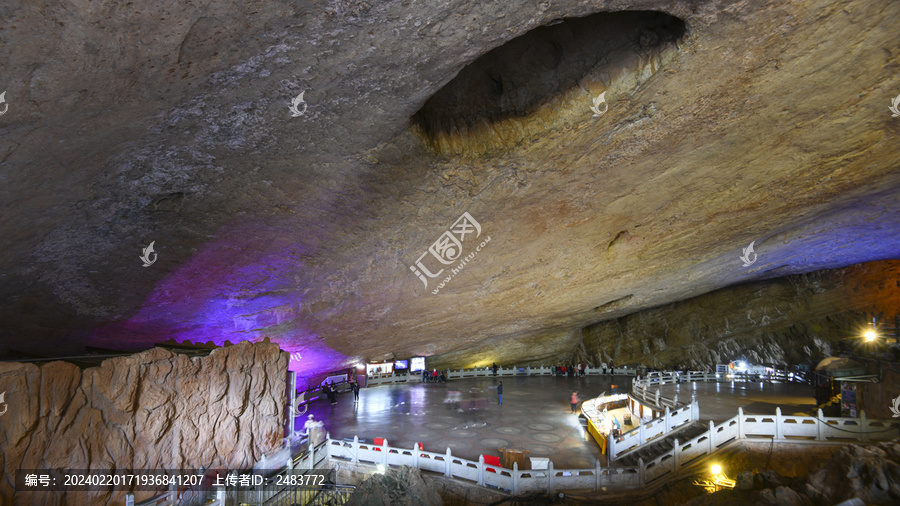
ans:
(535, 414)
(720, 401)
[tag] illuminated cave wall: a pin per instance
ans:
(151, 410)
(790, 320)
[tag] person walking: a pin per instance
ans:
(500, 393)
(574, 401)
(355, 387)
(495, 368)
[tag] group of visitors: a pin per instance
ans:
(570, 370)
(331, 391)
(433, 376)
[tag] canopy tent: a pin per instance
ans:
(844, 369)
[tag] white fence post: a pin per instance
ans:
(416, 454)
(515, 476)
(481, 470)
(820, 426)
(611, 443)
(779, 428)
(676, 455)
(598, 471)
(641, 432)
(863, 427)
(384, 452)
(550, 474)
(668, 421)
(640, 472)
(447, 463)
(740, 420)
(355, 449)
(711, 438)
(695, 407)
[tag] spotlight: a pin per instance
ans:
(716, 469)
(870, 336)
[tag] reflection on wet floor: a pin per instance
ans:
(720, 401)
(464, 415)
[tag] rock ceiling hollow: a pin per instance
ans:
(723, 123)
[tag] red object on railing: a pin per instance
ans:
(492, 460)
(380, 441)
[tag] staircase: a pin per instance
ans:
(660, 445)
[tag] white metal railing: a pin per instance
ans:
(646, 432)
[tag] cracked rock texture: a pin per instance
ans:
(151, 410)
(167, 121)
(799, 319)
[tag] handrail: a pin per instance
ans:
(516, 481)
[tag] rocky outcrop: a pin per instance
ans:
(790, 320)
(869, 474)
(151, 410)
(396, 487)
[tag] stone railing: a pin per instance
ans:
(387, 379)
(516, 481)
(315, 458)
(671, 377)
(772, 428)
(513, 480)
(647, 431)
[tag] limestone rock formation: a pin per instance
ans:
(798, 319)
(870, 474)
(151, 410)
(169, 122)
(396, 487)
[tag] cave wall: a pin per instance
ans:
(152, 410)
(797, 319)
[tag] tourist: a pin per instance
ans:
(355, 387)
(562, 370)
(424, 375)
(495, 368)
(500, 393)
(434, 376)
(574, 401)
(310, 422)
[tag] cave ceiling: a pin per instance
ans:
(303, 168)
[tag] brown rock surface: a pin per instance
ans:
(792, 320)
(168, 121)
(151, 410)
